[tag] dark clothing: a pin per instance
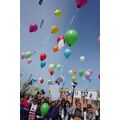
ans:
(77, 113)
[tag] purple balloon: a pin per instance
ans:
(87, 74)
(90, 71)
(33, 27)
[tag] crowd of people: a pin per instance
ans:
(58, 109)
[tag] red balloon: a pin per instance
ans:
(43, 56)
(81, 3)
(42, 81)
(33, 27)
(60, 38)
(51, 72)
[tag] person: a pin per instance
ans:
(26, 107)
(77, 112)
(84, 113)
(89, 112)
(62, 109)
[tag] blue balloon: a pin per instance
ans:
(42, 64)
(67, 53)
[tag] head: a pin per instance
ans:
(67, 104)
(89, 108)
(78, 105)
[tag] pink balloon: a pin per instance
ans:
(22, 55)
(81, 3)
(90, 71)
(87, 74)
(33, 27)
(29, 61)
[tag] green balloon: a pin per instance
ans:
(71, 37)
(59, 67)
(44, 109)
(28, 54)
(81, 73)
(52, 66)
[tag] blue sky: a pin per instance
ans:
(86, 23)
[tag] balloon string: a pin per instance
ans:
(72, 19)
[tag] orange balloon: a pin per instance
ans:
(55, 48)
(74, 71)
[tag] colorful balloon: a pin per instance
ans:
(52, 66)
(87, 74)
(55, 48)
(81, 3)
(41, 81)
(60, 38)
(70, 72)
(59, 67)
(28, 54)
(81, 73)
(36, 88)
(42, 64)
(57, 13)
(33, 27)
(73, 78)
(90, 71)
(54, 29)
(43, 56)
(74, 71)
(71, 37)
(99, 76)
(44, 109)
(82, 59)
(29, 60)
(67, 53)
(51, 72)
(23, 55)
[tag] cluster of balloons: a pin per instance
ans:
(72, 72)
(28, 56)
(43, 56)
(52, 68)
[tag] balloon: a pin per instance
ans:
(59, 67)
(23, 55)
(71, 37)
(81, 3)
(87, 74)
(60, 38)
(44, 109)
(55, 48)
(33, 27)
(42, 64)
(57, 13)
(36, 88)
(49, 90)
(29, 60)
(74, 71)
(81, 73)
(51, 72)
(43, 56)
(73, 78)
(70, 72)
(41, 81)
(50, 82)
(52, 66)
(28, 54)
(54, 29)
(40, 2)
(67, 53)
(82, 59)
(90, 71)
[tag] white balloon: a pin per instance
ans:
(82, 58)
(70, 72)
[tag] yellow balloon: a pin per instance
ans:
(73, 78)
(49, 90)
(57, 13)
(36, 88)
(54, 29)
